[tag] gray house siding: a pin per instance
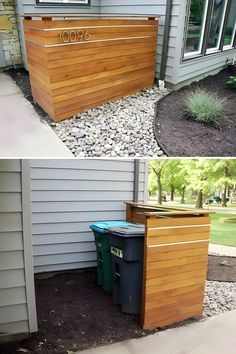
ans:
(29, 6)
(67, 196)
(195, 69)
(17, 313)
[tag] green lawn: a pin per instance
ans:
(223, 233)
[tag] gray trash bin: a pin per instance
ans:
(127, 243)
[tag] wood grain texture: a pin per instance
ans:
(175, 263)
(68, 78)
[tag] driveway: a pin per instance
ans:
(22, 132)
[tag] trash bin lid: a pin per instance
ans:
(102, 225)
(130, 230)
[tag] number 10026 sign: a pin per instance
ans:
(74, 36)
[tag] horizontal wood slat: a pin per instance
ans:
(96, 34)
(188, 237)
(172, 293)
(83, 23)
(175, 263)
(102, 97)
(178, 231)
(179, 314)
(117, 59)
(163, 272)
(173, 301)
(174, 222)
(175, 285)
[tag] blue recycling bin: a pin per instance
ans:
(104, 266)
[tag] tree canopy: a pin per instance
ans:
(199, 177)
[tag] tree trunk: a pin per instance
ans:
(199, 202)
(224, 196)
(172, 192)
(159, 184)
(183, 195)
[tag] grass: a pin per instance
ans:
(204, 107)
(223, 233)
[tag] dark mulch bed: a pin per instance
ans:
(74, 313)
(220, 272)
(180, 137)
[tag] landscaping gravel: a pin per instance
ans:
(121, 128)
(219, 297)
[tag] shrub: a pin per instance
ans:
(232, 82)
(203, 106)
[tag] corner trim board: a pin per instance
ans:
(27, 242)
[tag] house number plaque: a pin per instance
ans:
(74, 36)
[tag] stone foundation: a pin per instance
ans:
(9, 33)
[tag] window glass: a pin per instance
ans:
(230, 28)
(62, 2)
(216, 24)
(195, 26)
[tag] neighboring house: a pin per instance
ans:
(46, 207)
(198, 35)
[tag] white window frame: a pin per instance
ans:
(231, 45)
(67, 3)
(217, 48)
(220, 47)
(198, 52)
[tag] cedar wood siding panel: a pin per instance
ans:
(28, 6)
(67, 196)
(157, 7)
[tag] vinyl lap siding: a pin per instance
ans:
(199, 68)
(13, 307)
(156, 7)
(67, 196)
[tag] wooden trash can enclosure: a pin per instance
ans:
(76, 63)
(175, 262)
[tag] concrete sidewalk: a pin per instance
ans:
(22, 133)
(222, 250)
(212, 336)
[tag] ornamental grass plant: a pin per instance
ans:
(204, 107)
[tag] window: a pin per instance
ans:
(62, 2)
(211, 27)
(230, 26)
(216, 24)
(197, 16)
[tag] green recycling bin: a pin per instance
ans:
(104, 265)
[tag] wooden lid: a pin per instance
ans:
(36, 16)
